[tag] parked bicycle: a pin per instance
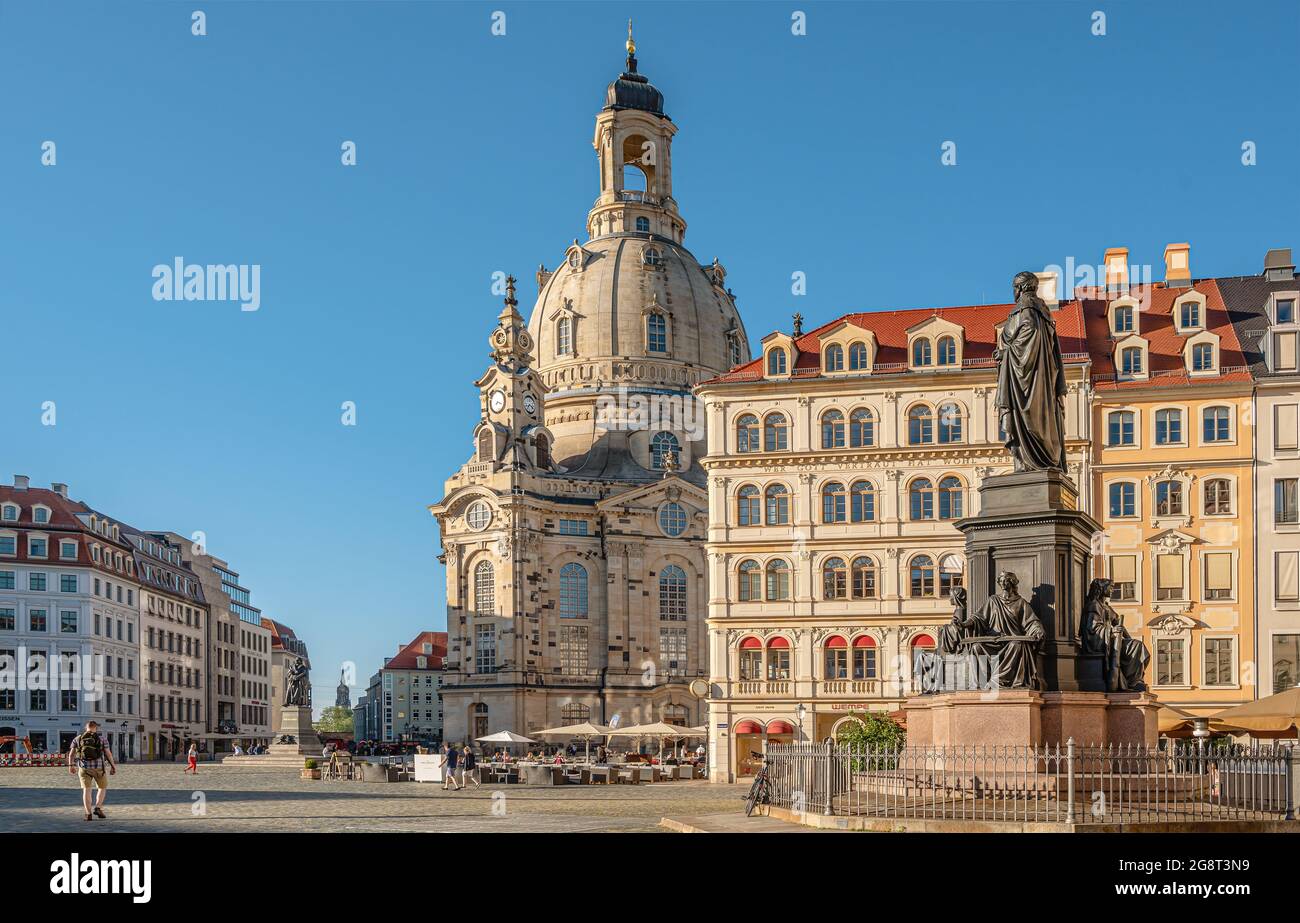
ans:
(761, 791)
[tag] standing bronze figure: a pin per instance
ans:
(1031, 382)
(1124, 658)
(297, 691)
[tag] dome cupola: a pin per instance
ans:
(632, 90)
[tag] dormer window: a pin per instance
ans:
(40, 514)
(1203, 357)
(651, 256)
(921, 355)
(1123, 320)
(1189, 315)
(1284, 311)
(834, 359)
(858, 357)
(776, 362)
(947, 351)
(575, 260)
(1131, 360)
(9, 513)
(564, 336)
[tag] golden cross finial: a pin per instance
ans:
(631, 44)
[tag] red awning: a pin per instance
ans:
(778, 642)
(779, 727)
(750, 644)
(749, 727)
(864, 641)
(923, 641)
(836, 641)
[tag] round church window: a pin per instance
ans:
(672, 519)
(479, 515)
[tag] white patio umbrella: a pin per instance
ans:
(505, 737)
(586, 730)
(657, 729)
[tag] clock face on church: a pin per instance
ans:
(497, 401)
(530, 404)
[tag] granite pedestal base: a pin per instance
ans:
(295, 722)
(1027, 718)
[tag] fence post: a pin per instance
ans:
(1292, 781)
(830, 780)
(1069, 764)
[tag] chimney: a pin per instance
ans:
(21, 481)
(60, 489)
(1047, 288)
(1178, 265)
(1278, 265)
(1116, 265)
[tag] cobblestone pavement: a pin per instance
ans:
(154, 797)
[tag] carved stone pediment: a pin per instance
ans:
(1172, 623)
(1172, 541)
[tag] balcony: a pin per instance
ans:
(869, 687)
(774, 687)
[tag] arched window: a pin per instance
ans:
(864, 578)
(920, 425)
(858, 357)
(951, 570)
(862, 428)
(1123, 320)
(1120, 428)
(836, 658)
(564, 336)
(748, 506)
(1191, 315)
(651, 256)
(776, 362)
(947, 348)
(643, 225)
(543, 447)
(950, 493)
(574, 713)
(661, 446)
(834, 359)
(950, 423)
(733, 344)
(747, 434)
(778, 580)
(778, 659)
(1216, 424)
(1169, 427)
(923, 573)
(1123, 500)
(1169, 498)
(634, 179)
(776, 433)
(484, 450)
(832, 430)
(835, 579)
(921, 498)
(1218, 497)
(1202, 357)
(778, 505)
(751, 656)
(1131, 360)
(672, 594)
(862, 502)
(751, 581)
(834, 502)
(920, 352)
(656, 333)
(485, 589)
(864, 657)
(573, 591)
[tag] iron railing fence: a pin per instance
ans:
(1059, 783)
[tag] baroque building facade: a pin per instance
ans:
(838, 462)
(573, 538)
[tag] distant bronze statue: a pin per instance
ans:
(952, 634)
(1124, 658)
(1031, 382)
(1008, 628)
(297, 690)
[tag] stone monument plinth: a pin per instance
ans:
(295, 724)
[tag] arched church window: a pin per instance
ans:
(485, 589)
(661, 445)
(478, 515)
(656, 333)
(672, 594)
(564, 336)
(543, 447)
(573, 591)
(651, 256)
(484, 450)
(672, 519)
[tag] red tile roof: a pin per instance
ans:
(406, 656)
(1166, 362)
(69, 519)
(890, 327)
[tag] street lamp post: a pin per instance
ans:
(800, 711)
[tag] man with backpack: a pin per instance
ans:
(86, 759)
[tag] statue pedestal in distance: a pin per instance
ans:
(295, 723)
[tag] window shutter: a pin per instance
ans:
(1284, 352)
(1286, 426)
(1288, 575)
(1169, 573)
(1218, 570)
(1123, 568)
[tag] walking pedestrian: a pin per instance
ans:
(192, 760)
(469, 768)
(449, 760)
(86, 759)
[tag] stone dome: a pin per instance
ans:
(633, 91)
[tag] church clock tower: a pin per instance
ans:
(510, 435)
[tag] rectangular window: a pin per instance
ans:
(37, 620)
(7, 579)
(1120, 429)
(672, 651)
(1169, 576)
(485, 649)
(38, 700)
(67, 583)
(37, 547)
(8, 544)
(1171, 667)
(1284, 311)
(36, 582)
(1286, 501)
(1123, 576)
(68, 551)
(68, 700)
(1286, 662)
(573, 527)
(8, 619)
(1284, 351)
(573, 649)
(1218, 662)
(1286, 581)
(1286, 427)
(1218, 575)
(68, 622)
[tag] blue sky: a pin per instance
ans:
(817, 153)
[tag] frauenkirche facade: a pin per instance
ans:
(573, 538)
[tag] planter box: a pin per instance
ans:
(311, 773)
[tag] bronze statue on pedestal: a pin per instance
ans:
(1031, 382)
(1102, 631)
